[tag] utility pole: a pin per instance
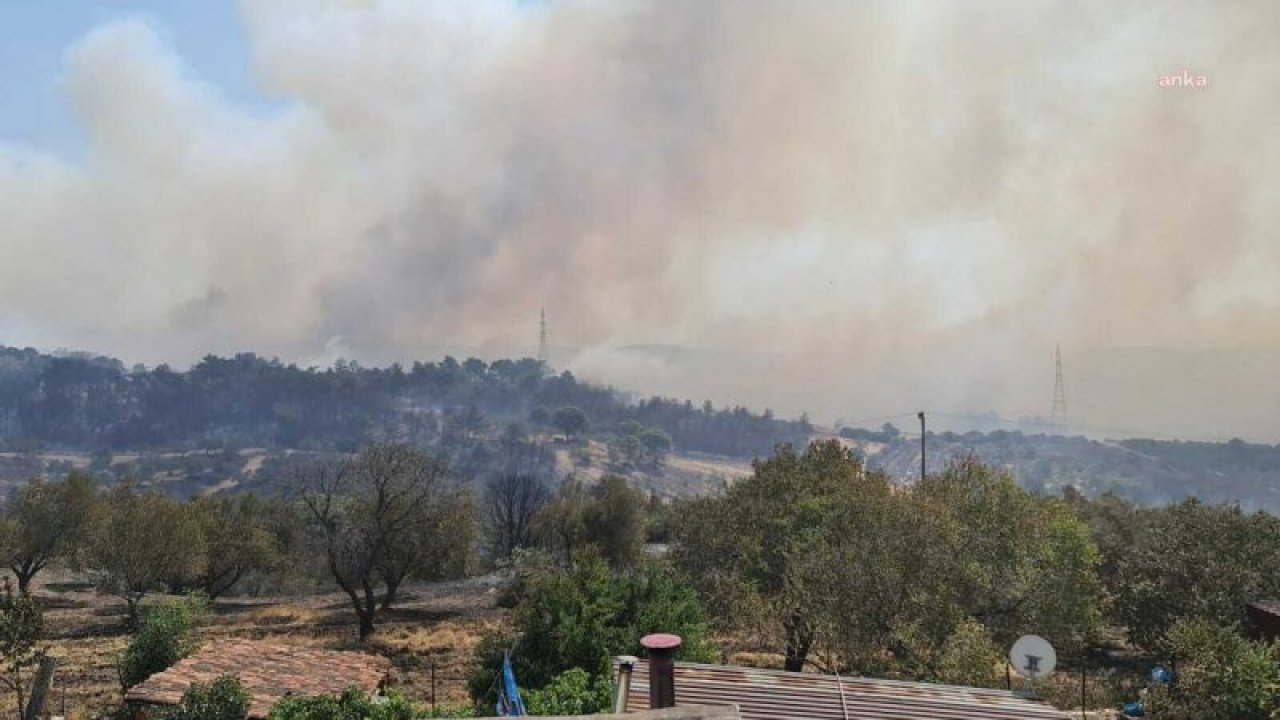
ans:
(921, 416)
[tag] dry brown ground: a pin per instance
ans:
(436, 624)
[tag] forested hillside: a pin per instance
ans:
(84, 402)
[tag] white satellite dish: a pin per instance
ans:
(1033, 657)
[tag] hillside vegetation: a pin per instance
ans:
(1149, 472)
(240, 423)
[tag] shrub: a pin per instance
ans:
(21, 626)
(1220, 675)
(353, 705)
(165, 638)
(572, 692)
(222, 699)
(970, 657)
(581, 618)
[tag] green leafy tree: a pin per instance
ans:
(614, 521)
(167, 635)
(631, 450)
(222, 699)
(46, 520)
(769, 551)
(657, 444)
(1220, 675)
(570, 420)
(139, 540)
(237, 540)
(1193, 560)
(560, 525)
(582, 617)
(21, 625)
(1020, 564)
(826, 555)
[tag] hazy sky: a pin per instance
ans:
(851, 209)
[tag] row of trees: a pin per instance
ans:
(853, 573)
(841, 567)
(134, 542)
(934, 580)
(365, 523)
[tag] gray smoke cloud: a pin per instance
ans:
(850, 209)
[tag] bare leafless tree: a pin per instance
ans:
(514, 495)
(365, 512)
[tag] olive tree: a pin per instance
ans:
(769, 551)
(45, 521)
(138, 540)
(237, 540)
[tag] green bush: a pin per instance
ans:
(222, 699)
(581, 618)
(1220, 676)
(166, 636)
(450, 711)
(572, 692)
(353, 705)
(970, 657)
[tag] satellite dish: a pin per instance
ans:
(1033, 657)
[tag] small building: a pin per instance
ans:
(778, 695)
(267, 671)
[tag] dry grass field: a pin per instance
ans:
(436, 624)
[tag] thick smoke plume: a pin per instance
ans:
(854, 209)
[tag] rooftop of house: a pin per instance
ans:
(267, 671)
(778, 695)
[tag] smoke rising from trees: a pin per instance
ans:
(850, 209)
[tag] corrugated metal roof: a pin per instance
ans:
(777, 695)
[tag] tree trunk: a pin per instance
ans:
(393, 582)
(217, 584)
(799, 641)
(133, 599)
(25, 572)
(393, 587)
(795, 659)
(40, 689)
(366, 610)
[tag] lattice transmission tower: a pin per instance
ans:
(543, 353)
(1059, 415)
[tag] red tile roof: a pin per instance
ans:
(267, 671)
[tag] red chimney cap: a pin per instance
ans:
(661, 641)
